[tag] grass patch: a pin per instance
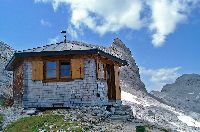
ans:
(1, 121)
(1, 118)
(46, 121)
(6, 101)
(147, 128)
(1, 102)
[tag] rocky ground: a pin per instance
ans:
(91, 119)
(151, 110)
(139, 110)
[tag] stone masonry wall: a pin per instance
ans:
(86, 92)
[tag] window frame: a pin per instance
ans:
(46, 69)
(64, 77)
(58, 77)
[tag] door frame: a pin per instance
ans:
(110, 78)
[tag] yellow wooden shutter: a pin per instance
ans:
(77, 67)
(99, 69)
(117, 83)
(37, 70)
(104, 76)
(82, 68)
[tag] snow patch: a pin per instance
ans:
(129, 97)
(188, 120)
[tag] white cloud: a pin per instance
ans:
(55, 39)
(166, 15)
(103, 16)
(45, 23)
(113, 15)
(155, 79)
(55, 3)
(72, 32)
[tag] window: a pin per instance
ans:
(65, 71)
(55, 69)
(58, 70)
(51, 69)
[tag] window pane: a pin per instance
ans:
(51, 73)
(65, 65)
(51, 65)
(65, 69)
(64, 73)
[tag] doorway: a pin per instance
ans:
(110, 77)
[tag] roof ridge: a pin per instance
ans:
(73, 42)
(39, 47)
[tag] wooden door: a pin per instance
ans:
(111, 81)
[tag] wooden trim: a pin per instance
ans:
(99, 69)
(58, 64)
(117, 83)
(61, 61)
(45, 70)
(77, 67)
(37, 70)
(105, 74)
(57, 69)
(64, 58)
(18, 82)
(106, 60)
(99, 59)
(82, 69)
(60, 80)
(111, 82)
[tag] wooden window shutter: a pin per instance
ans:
(82, 68)
(37, 70)
(117, 83)
(99, 69)
(77, 68)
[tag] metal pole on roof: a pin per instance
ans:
(65, 36)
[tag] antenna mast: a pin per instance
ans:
(65, 40)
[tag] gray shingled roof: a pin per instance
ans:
(68, 48)
(69, 45)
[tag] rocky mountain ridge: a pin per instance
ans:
(6, 53)
(184, 93)
(129, 75)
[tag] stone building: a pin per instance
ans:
(70, 74)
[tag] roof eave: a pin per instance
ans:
(107, 55)
(58, 53)
(9, 65)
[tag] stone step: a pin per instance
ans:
(119, 117)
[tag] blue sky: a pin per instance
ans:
(163, 35)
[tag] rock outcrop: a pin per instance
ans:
(129, 75)
(184, 93)
(6, 53)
